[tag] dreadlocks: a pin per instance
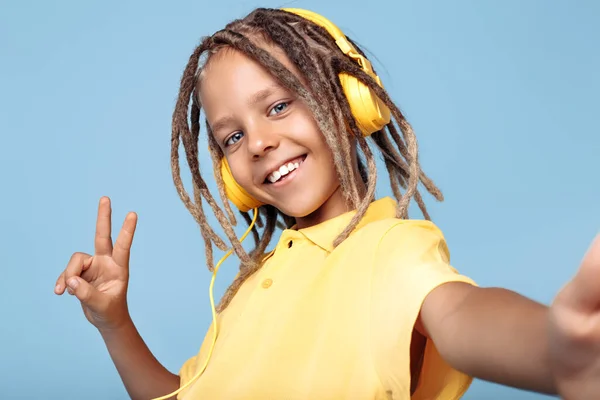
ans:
(311, 49)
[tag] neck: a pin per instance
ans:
(332, 207)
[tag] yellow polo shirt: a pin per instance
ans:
(322, 323)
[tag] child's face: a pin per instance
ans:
(272, 143)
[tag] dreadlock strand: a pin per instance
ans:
(254, 230)
(392, 165)
(232, 290)
(413, 177)
(421, 205)
(270, 224)
(216, 156)
(390, 154)
(394, 183)
(364, 205)
(362, 170)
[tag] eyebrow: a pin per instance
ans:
(222, 123)
(254, 99)
(263, 94)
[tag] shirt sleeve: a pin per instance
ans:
(188, 370)
(411, 260)
(191, 367)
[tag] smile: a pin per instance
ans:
(285, 170)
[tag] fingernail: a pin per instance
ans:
(57, 288)
(73, 283)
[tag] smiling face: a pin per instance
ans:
(270, 138)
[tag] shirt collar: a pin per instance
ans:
(324, 234)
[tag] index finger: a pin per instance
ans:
(102, 240)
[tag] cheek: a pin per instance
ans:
(324, 153)
(308, 132)
(315, 141)
(243, 176)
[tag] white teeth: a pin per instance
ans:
(274, 177)
(282, 171)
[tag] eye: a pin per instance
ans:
(278, 108)
(233, 139)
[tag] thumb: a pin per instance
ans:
(86, 293)
(585, 286)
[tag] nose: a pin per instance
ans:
(261, 139)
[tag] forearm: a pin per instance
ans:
(143, 376)
(500, 336)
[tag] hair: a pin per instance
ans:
(316, 56)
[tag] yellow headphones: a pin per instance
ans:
(370, 113)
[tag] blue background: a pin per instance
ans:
(503, 96)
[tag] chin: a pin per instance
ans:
(298, 209)
(302, 207)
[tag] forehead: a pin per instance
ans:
(230, 72)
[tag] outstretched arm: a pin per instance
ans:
(490, 333)
(500, 336)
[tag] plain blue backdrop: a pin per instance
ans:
(503, 97)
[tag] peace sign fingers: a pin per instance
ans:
(100, 281)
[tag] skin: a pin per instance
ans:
(489, 333)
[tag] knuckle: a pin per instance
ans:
(121, 246)
(77, 256)
(83, 294)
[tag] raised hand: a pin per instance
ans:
(575, 331)
(100, 281)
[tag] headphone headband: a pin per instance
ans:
(336, 33)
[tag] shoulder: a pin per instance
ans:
(397, 226)
(403, 234)
(412, 254)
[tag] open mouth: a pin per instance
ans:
(285, 171)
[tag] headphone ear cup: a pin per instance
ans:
(370, 113)
(236, 194)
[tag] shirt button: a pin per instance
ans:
(267, 283)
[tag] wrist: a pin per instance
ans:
(121, 327)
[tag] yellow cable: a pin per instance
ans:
(214, 314)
